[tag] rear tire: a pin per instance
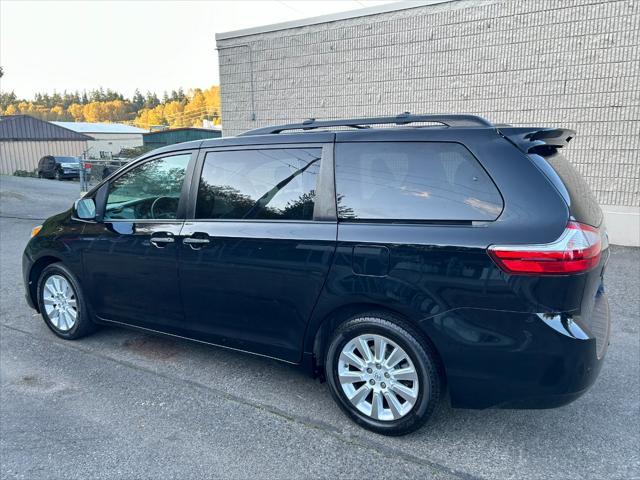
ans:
(62, 303)
(386, 399)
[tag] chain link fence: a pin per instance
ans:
(93, 171)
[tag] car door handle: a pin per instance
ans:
(196, 242)
(161, 242)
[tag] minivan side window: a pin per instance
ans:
(413, 181)
(272, 184)
(149, 191)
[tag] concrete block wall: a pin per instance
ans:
(571, 63)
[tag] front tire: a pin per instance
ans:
(58, 175)
(62, 303)
(383, 374)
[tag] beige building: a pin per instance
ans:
(107, 139)
(556, 63)
(24, 140)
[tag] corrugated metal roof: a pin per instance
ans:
(24, 127)
(88, 127)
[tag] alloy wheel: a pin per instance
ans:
(60, 302)
(378, 377)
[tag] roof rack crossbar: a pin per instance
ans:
(402, 119)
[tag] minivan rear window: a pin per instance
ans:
(582, 203)
(413, 181)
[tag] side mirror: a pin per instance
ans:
(85, 208)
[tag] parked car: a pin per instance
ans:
(59, 168)
(112, 166)
(396, 263)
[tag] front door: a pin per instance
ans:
(131, 256)
(257, 251)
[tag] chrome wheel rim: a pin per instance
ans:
(378, 377)
(60, 303)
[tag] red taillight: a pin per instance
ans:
(577, 250)
(87, 166)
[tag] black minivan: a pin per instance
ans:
(399, 258)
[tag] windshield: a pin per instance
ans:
(67, 161)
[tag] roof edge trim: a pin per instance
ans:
(333, 17)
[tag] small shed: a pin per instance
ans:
(24, 140)
(179, 135)
(107, 139)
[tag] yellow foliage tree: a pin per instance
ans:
(59, 113)
(12, 110)
(92, 112)
(199, 105)
(178, 111)
(173, 113)
(76, 112)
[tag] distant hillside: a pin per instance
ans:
(175, 109)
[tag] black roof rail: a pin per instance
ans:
(402, 119)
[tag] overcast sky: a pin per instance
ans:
(124, 45)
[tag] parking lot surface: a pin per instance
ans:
(121, 404)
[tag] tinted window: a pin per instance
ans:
(572, 186)
(413, 181)
(260, 184)
(148, 191)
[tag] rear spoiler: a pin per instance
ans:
(537, 140)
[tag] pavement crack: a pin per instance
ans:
(357, 441)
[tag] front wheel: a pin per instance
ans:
(62, 303)
(58, 175)
(382, 374)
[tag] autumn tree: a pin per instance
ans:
(178, 109)
(76, 112)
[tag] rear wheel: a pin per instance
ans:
(382, 374)
(62, 304)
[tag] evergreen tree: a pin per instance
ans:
(7, 99)
(151, 100)
(137, 100)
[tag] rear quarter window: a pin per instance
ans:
(413, 181)
(582, 203)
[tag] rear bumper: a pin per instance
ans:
(520, 360)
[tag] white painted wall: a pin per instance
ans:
(623, 224)
(112, 142)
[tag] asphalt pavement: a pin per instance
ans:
(121, 404)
